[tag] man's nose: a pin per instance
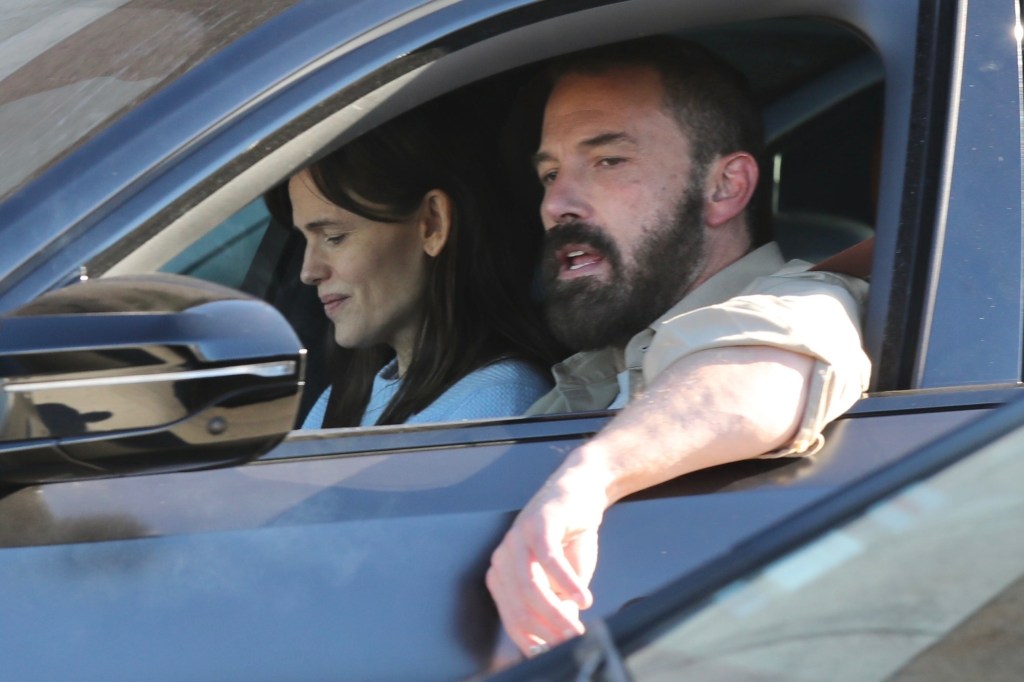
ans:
(314, 270)
(565, 200)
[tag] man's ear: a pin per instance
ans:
(730, 184)
(435, 221)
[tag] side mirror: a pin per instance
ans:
(143, 374)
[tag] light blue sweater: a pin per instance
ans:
(502, 389)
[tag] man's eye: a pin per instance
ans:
(610, 161)
(548, 177)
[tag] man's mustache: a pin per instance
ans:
(577, 233)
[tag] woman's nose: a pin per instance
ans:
(314, 270)
(564, 201)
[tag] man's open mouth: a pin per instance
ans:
(577, 258)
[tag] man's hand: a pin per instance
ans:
(708, 408)
(540, 573)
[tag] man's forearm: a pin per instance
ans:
(709, 408)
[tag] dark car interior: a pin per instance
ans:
(821, 90)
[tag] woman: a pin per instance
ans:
(426, 285)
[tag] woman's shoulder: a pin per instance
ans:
(508, 369)
(504, 388)
(510, 379)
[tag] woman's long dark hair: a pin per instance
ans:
(478, 307)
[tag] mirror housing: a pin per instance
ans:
(143, 374)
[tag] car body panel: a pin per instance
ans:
(289, 555)
(983, 160)
(912, 571)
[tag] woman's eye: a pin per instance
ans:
(334, 239)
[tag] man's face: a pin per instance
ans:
(622, 207)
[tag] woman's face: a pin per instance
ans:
(370, 275)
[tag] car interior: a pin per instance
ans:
(820, 86)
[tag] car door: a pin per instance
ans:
(360, 553)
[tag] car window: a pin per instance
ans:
(821, 92)
(820, 86)
(811, 102)
(915, 588)
(812, 218)
(68, 68)
(225, 254)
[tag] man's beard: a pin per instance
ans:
(586, 313)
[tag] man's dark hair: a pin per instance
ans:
(710, 99)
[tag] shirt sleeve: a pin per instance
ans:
(812, 313)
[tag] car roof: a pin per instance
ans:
(68, 68)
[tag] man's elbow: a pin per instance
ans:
(775, 402)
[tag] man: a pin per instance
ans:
(718, 350)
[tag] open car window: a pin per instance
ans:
(819, 84)
(820, 87)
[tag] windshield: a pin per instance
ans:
(926, 582)
(69, 67)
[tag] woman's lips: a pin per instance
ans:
(332, 303)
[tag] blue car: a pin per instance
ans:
(161, 518)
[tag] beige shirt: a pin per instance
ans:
(757, 301)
